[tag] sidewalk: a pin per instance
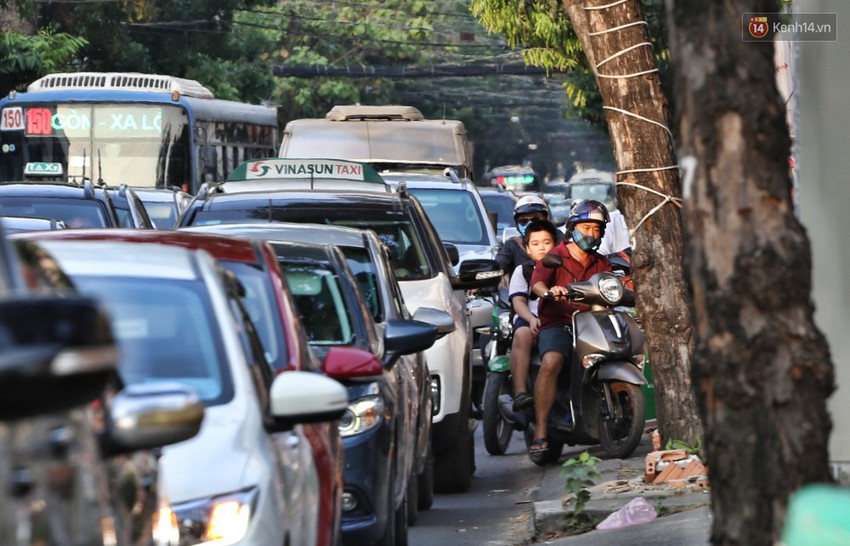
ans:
(684, 514)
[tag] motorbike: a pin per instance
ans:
(598, 397)
(498, 386)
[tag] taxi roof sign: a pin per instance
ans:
(280, 169)
(41, 168)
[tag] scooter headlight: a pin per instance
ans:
(611, 289)
(590, 360)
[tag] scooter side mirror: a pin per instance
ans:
(552, 261)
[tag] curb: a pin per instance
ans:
(550, 516)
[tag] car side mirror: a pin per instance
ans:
(305, 397)
(452, 253)
(494, 221)
(443, 321)
(343, 363)
(478, 273)
(509, 233)
(56, 353)
(404, 337)
(552, 261)
(152, 415)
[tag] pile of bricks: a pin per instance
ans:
(675, 467)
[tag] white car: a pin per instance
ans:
(458, 214)
(248, 476)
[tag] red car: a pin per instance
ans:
(277, 322)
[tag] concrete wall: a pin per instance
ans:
(824, 199)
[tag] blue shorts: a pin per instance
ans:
(520, 323)
(558, 338)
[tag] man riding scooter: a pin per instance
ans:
(585, 228)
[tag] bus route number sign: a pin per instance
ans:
(12, 119)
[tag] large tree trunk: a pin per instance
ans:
(662, 297)
(762, 369)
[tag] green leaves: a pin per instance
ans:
(579, 473)
(26, 58)
(695, 449)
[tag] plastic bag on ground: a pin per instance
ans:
(635, 512)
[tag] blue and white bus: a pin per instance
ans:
(136, 129)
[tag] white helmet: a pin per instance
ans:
(530, 203)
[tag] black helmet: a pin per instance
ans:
(588, 210)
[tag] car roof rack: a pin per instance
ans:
(402, 191)
(357, 112)
(88, 188)
(207, 189)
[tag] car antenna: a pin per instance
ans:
(100, 181)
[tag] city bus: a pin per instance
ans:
(142, 130)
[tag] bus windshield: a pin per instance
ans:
(129, 143)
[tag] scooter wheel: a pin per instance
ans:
(497, 431)
(620, 434)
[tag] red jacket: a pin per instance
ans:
(553, 313)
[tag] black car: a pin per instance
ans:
(76, 205)
(379, 428)
(502, 203)
(163, 205)
(131, 211)
(423, 266)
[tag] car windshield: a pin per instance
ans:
(165, 332)
(321, 304)
(163, 215)
(454, 214)
(599, 191)
(364, 270)
(393, 227)
(503, 205)
(259, 301)
(75, 213)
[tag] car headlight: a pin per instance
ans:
(611, 289)
(220, 520)
(362, 415)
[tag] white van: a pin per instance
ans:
(388, 137)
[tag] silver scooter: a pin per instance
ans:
(598, 398)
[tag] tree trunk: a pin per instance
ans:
(762, 369)
(662, 297)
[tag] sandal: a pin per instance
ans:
(523, 400)
(538, 447)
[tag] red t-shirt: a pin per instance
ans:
(559, 313)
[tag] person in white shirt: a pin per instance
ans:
(540, 237)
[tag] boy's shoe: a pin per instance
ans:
(523, 400)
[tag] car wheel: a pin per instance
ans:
(412, 499)
(390, 536)
(425, 485)
(401, 515)
(454, 467)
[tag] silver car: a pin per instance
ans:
(248, 476)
